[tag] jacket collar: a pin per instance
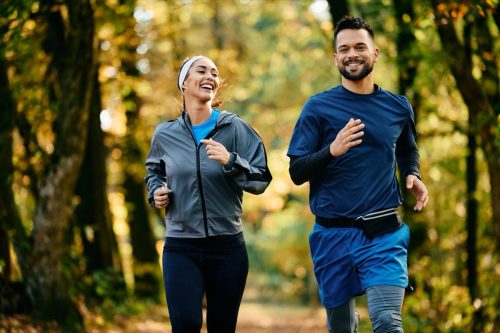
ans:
(223, 118)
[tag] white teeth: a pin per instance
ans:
(207, 86)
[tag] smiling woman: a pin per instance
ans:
(198, 82)
(202, 191)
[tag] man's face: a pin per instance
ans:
(355, 54)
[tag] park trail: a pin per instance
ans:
(254, 317)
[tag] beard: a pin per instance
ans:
(367, 69)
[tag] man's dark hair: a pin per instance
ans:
(350, 22)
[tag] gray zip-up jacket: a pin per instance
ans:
(206, 197)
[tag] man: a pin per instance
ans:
(346, 143)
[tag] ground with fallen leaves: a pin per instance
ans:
(254, 318)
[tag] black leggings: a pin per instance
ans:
(215, 266)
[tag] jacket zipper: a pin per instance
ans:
(198, 174)
(200, 186)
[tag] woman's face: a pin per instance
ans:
(202, 81)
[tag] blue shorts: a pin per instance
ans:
(346, 262)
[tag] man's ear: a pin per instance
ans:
(375, 55)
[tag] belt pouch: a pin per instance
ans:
(382, 225)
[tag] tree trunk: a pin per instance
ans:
(11, 228)
(217, 26)
(481, 111)
(338, 9)
(9, 216)
(405, 41)
(146, 269)
(471, 219)
(8, 211)
(407, 66)
(490, 82)
(147, 277)
(471, 224)
(48, 286)
(92, 214)
(175, 37)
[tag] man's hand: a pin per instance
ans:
(161, 197)
(216, 151)
(347, 138)
(418, 190)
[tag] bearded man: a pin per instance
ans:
(347, 143)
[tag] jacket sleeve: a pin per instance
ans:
(155, 170)
(248, 164)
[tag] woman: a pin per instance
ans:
(197, 169)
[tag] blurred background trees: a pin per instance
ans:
(84, 83)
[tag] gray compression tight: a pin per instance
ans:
(384, 306)
(342, 319)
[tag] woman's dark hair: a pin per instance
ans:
(350, 22)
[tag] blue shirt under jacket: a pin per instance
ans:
(201, 131)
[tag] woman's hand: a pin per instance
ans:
(216, 151)
(161, 197)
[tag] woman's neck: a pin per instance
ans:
(198, 112)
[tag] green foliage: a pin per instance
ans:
(279, 257)
(110, 311)
(273, 55)
(110, 285)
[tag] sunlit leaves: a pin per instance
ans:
(459, 9)
(273, 55)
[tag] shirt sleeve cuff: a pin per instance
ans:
(414, 173)
(230, 165)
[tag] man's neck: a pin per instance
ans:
(363, 87)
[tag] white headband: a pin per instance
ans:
(185, 68)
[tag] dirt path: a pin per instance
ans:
(267, 318)
(254, 318)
